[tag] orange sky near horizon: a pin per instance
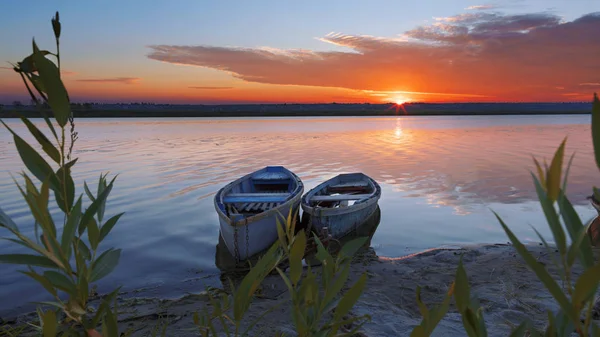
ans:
(469, 57)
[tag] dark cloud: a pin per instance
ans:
(122, 80)
(486, 54)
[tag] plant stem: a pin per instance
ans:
(58, 55)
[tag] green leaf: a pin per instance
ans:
(436, 314)
(462, 294)
(596, 128)
(111, 324)
(550, 252)
(93, 234)
(47, 146)
(70, 228)
(50, 126)
(551, 218)
(50, 324)
(469, 322)
(540, 172)
(418, 331)
(350, 298)
(351, 247)
(101, 187)
(554, 173)
(90, 211)
(105, 264)
(87, 191)
(296, 255)
(422, 307)
(252, 280)
(576, 247)
(26, 259)
(84, 250)
(60, 281)
(333, 290)
(32, 160)
(574, 225)
(541, 273)
(6, 221)
(41, 280)
(586, 285)
(58, 98)
(108, 226)
(104, 306)
(67, 190)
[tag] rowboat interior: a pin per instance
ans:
(342, 194)
(259, 193)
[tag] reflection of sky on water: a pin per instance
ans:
(440, 177)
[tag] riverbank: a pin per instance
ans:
(308, 110)
(508, 291)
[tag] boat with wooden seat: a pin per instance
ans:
(250, 207)
(341, 203)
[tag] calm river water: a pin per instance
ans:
(440, 178)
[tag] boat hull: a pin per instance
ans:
(340, 221)
(245, 228)
(261, 230)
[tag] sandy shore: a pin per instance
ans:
(508, 290)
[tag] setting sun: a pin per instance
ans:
(400, 100)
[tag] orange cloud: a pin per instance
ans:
(210, 88)
(475, 56)
(123, 80)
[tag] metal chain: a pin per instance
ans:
(235, 240)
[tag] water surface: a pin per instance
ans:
(440, 178)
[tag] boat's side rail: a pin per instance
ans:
(255, 197)
(339, 197)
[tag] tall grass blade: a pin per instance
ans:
(541, 273)
(554, 173)
(551, 217)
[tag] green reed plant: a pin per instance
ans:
(312, 302)
(65, 256)
(576, 297)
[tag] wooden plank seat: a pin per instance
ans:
(340, 197)
(253, 207)
(234, 198)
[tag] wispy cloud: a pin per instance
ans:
(590, 84)
(211, 88)
(476, 54)
(481, 7)
(120, 80)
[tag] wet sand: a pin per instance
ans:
(508, 291)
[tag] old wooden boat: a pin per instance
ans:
(340, 204)
(250, 207)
